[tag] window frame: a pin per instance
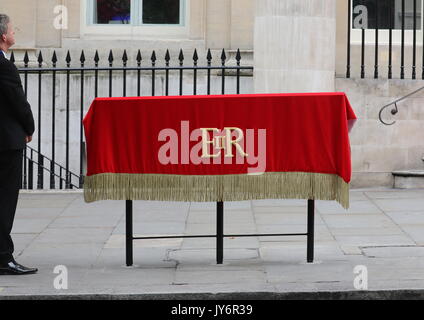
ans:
(383, 35)
(135, 29)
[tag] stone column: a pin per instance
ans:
(295, 46)
(218, 24)
(242, 20)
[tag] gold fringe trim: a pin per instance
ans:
(280, 185)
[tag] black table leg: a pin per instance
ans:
(311, 218)
(219, 232)
(129, 232)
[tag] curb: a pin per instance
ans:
(324, 295)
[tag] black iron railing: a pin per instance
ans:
(58, 174)
(389, 11)
(61, 175)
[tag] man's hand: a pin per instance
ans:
(28, 139)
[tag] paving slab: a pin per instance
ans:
(383, 231)
(188, 256)
(231, 242)
(147, 258)
(413, 204)
(394, 194)
(407, 218)
(358, 221)
(415, 232)
(356, 207)
(394, 252)
(366, 231)
(285, 218)
(375, 240)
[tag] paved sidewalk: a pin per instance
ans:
(383, 230)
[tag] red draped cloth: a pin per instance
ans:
(177, 148)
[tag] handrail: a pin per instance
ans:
(52, 173)
(50, 160)
(395, 110)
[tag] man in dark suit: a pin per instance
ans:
(16, 130)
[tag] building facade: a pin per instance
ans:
(93, 24)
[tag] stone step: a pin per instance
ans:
(409, 179)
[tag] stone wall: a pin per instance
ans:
(295, 45)
(377, 150)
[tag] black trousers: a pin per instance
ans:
(10, 183)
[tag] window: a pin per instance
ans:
(112, 12)
(161, 12)
(136, 12)
(389, 14)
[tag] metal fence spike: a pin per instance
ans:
(54, 57)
